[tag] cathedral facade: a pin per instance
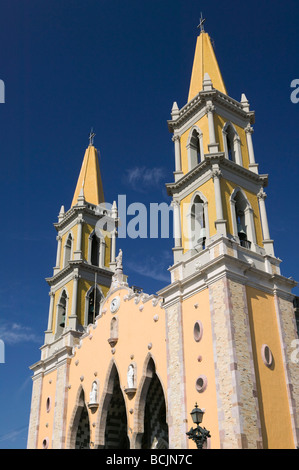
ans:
(121, 369)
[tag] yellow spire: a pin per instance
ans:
(89, 182)
(205, 62)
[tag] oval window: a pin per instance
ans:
(46, 443)
(48, 404)
(267, 355)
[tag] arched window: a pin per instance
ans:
(93, 301)
(231, 143)
(242, 216)
(68, 250)
(95, 251)
(61, 313)
(198, 222)
(194, 148)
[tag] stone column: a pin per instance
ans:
(237, 150)
(268, 243)
(57, 267)
(113, 237)
(220, 223)
(177, 152)
(49, 332)
(113, 246)
(176, 386)
(35, 411)
(102, 252)
(178, 249)
(72, 324)
(213, 146)
(252, 165)
(78, 252)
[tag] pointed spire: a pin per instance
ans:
(205, 62)
(207, 84)
(175, 111)
(61, 214)
(81, 198)
(89, 186)
(245, 102)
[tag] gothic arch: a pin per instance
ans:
(195, 147)
(68, 249)
(112, 380)
(61, 311)
(96, 250)
(231, 143)
(206, 233)
(240, 203)
(99, 300)
(149, 373)
(79, 409)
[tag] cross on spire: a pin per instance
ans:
(201, 22)
(91, 137)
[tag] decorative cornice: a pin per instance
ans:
(77, 211)
(187, 111)
(206, 164)
(80, 264)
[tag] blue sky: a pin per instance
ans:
(117, 67)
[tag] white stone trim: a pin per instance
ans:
(90, 290)
(236, 143)
(206, 217)
(192, 162)
(70, 235)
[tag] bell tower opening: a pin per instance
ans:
(61, 314)
(197, 223)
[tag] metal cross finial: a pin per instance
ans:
(202, 20)
(91, 137)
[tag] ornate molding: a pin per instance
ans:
(210, 108)
(261, 194)
(248, 129)
(216, 173)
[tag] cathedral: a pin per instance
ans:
(122, 369)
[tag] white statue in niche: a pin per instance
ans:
(119, 260)
(93, 396)
(130, 376)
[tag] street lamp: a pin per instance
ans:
(199, 435)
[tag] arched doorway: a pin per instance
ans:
(116, 436)
(83, 431)
(155, 434)
(79, 431)
(150, 423)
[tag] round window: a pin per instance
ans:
(197, 331)
(201, 383)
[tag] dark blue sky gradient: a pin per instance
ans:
(117, 67)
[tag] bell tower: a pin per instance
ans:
(217, 188)
(85, 261)
(229, 312)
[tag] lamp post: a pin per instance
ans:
(199, 435)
